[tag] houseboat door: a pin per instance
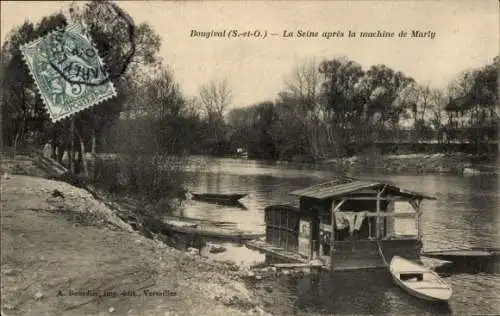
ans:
(315, 233)
(309, 235)
(305, 245)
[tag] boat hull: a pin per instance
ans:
(422, 282)
(421, 295)
(222, 198)
(210, 231)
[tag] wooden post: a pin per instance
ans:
(419, 220)
(311, 239)
(332, 236)
(335, 208)
(418, 216)
(315, 232)
(378, 211)
(378, 215)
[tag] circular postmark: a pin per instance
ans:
(72, 55)
(74, 58)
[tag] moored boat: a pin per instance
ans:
(221, 198)
(209, 229)
(418, 280)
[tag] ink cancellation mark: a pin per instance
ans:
(76, 60)
(115, 20)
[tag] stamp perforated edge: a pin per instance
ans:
(57, 118)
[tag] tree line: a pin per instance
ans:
(336, 108)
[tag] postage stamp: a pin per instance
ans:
(68, 71)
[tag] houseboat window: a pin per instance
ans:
(357, 223)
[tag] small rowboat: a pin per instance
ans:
(218, 198)
(419, 281)
(209, 230)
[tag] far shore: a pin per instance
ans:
(414, 163)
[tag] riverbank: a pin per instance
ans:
(66, 253)
(453, 163)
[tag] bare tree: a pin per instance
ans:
(216, 97)
(304, 83)
(300, 104)
(438, 112)
(418, 102)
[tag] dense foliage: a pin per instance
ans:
(336, 108)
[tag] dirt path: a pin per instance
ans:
(64, 253)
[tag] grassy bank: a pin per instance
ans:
(66, 253)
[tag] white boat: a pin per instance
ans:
(418, 280)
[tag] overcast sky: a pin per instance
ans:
(467, 35)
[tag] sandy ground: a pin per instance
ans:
(69, 254)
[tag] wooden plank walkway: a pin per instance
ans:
(459, 253)
(462, 254)
(290, 256)
(297, 265)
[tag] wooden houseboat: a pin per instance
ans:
(346, 224)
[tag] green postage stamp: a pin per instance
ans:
(68, 71)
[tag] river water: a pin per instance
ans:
(465, 214)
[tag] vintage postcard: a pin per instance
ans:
(250, 158)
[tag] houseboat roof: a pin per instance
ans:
(345, 186)
(291, 206)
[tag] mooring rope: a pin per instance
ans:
(381, 254)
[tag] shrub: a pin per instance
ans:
(153, 181)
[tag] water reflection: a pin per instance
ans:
(236, 204)
(353, 293)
